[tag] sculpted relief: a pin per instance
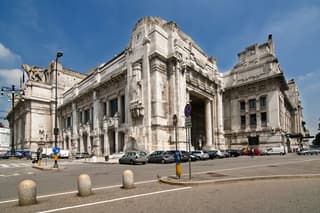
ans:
(35, 73)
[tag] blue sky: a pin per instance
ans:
(92, 32)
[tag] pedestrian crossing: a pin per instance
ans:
(26, 164)
(14, 165)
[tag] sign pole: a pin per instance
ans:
(188, 125)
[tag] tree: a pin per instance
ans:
(316, 141)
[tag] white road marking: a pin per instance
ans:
(116, 199)
(74, 192)
(4, 165)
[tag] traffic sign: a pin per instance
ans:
(187, 110)
(56, 150)
(188, 123)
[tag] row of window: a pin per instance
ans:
(252, 103)
(86, 116)
(253, 120)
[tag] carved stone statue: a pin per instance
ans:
(34, 73)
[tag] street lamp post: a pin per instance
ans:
(13, 91)
(56, 129)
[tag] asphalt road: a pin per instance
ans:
(153, 197)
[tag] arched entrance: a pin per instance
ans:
(198, 134)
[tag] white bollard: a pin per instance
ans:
(127, 179)
(84, 185)
(27, 191)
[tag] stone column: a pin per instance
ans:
(96, 123)
(147, 93)
(81, 148)
(213, 116)
(220, 118)
(75, 127)
(208, 123)
(106, 139)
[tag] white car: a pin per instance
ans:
(275, 151)
(201, 155)
(64, 153)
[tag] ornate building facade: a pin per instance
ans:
(129, 101)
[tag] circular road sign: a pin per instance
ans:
(187, 110)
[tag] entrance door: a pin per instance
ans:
(198, 122)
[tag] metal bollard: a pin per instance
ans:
(127, 179)
(27, 192)
(84, 185)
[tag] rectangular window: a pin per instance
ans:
(86, 116)
(105, 108)
(80, 117)
(263, 102)
(123, 109)
(252, 104)
(263, 119)
(69, 122)
(113, 106)
(243, 121)
(91, 115)
(253, 121)
(242, 105)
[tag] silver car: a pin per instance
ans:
(134, 157)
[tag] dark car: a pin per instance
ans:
(161, 157)
(134, 157)
(212, 154)
(81, 155)
(8, 155)
(233, 152)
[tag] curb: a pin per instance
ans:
(47, 168)
(232, 180)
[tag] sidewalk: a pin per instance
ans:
(242, 174)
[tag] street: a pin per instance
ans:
(294, 195)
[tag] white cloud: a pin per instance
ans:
(8, 58)
(10, 76)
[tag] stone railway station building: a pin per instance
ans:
(129, 101)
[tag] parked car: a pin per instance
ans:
(314, 151)
(161, 157)
(200, 154)
(212, 154)
(275, 151)
(308, 152)
(186, 155)
(81, 155)
(64, 153)
(8, 155)
(222, 154)
(134, 157)
(233, 152)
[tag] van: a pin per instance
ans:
(64, 153)
(275, 151)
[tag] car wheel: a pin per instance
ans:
(163, 161)
(131, 162)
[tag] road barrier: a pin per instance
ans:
(27, 191)
(84, 185)
(127, 179)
